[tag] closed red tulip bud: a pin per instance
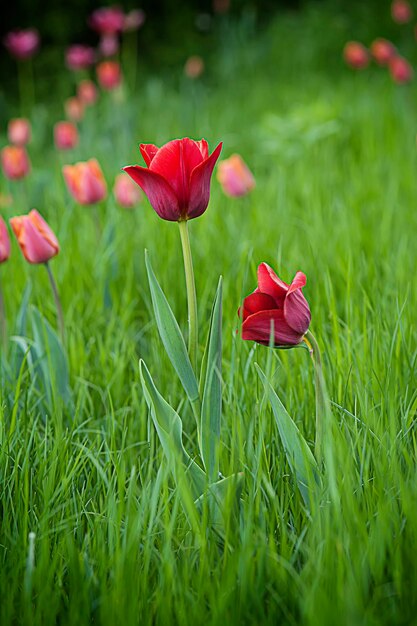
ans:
(356, 55)
(65, 135)
(177, 177)
(22, 44)
(401, 11)
(74, 109)
(235, 177)
(85, 182)
(109, 75)
(87, 92)
(194, 67)
(382, 51)
(37, 241)
(15, 162)
(107, 20)
(274, 303)
(19, 131)
(400, 70)
(4, 241)
(79, 57)
(126, 192)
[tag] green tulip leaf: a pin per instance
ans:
(299, 456)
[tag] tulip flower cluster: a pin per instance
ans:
(382, 51)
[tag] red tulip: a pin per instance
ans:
(356, 55)
(35, 238)
(177, 177)
(15, 162)
(109, 75)
(235, 177)
(107, 20)
(274, 303)
(400, 70)
(87, 92)
(125, 191)
(4, 241)
(79, 57)
(65, 135)
(382, 51)
(401, 11)
(19, 131)
(22, 44)
(85, 182)
(74, 109)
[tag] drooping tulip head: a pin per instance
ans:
(4, 241)
(65, 135)
(15, 162)
(37, 241)
(235, 177)
(356, 55)
(19, 131)
(22, 44)
(177, 177)
(126, 192)
(278, 307)
(85, 181)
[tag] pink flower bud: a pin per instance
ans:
(19, 131)
(15, 162)
(65, 135)
(79, 57)
(109, 75)
(235, 177)
(22, 44)
(134, 20)
(4, 241)
(401, 11)
(109, 45)
(37, 241)
(85, 181)
(126, 192)
(74, 109)
(107, 20)
(400, 70)
(194, 67)
(356, 55)
(382, 51)
(87, 92)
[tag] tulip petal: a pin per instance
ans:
(44, 229)
(298, 282)
(175, 161)
(200, 184)
(148, 151)
(159, 192)
(203, 147)
(257, 327)
(256, 302)
(297, 312)
(271, 284)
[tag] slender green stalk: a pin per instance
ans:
(3, 323)
(191, 293)
(322, 398)
(58, 304)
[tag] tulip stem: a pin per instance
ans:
(322, 398)
(191, 294)
(58, 304)
(3, 324)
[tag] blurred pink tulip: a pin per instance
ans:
(74, 109)
(37, 241)
(401, 11)
(109, 45)
(19, 131)
(15, 162)
(235, 177)
(400, 70)
(4, 241)
(126, 192)
(87, 92)
(85, 181)
(107, 20)
(109, 75)
(134, 20)
(65, 135)
(22, 44)
(382, 51)
(194, 66)
(79, 57)
(356, 55)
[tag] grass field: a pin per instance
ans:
(334, 157)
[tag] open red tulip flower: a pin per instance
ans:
(85, 181)
(274, 304)
(177, 177)
(37, 241)
(4, 241)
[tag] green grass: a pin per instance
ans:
(335, 161)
